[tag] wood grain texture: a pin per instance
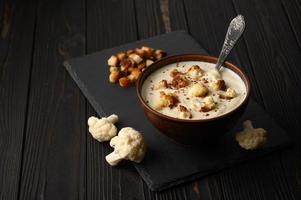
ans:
(164, 7)
(284, 71)
(46, 151)
(103, 31)
(54, 148)
(17, 27)
(212, 38)
(110, 23)
(275, 60)
(149, 18)
(178, 19)
(292, 10)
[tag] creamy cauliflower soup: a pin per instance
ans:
(193, 90)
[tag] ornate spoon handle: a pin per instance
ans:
(235, 29)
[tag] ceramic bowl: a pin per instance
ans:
(187, 131)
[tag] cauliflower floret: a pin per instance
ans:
(198, 90)
(128, 145)
(161, 85)
(167, 100)
(195, 72)
(251, 138)
(209, 104)
(103, 129)
(183, 112)
(229, 94)
(218, 84)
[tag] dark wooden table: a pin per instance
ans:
(45, 149)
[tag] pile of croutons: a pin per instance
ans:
(125, 68)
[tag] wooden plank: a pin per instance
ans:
(212, 38)
(149, 18)
(261, 179)
(275, 60)
(284, 69)
(6, 16)
(109, 23)
(17, 28)
(284, 72)
(177, 14)
(53, 164)
(292, 10)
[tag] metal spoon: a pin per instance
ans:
(235, 30)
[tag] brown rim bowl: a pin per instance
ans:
(185, 131)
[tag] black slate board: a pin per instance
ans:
(166, 163)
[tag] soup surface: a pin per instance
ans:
(193, 90)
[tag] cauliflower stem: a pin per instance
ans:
(128, 145)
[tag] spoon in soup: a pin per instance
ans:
(235, 30)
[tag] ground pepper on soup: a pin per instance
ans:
(193, 90)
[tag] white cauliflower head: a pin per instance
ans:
(251, 138)
(128, 145)
(184, 112)
(198, 90)
(208, 104)
(195, 72)
(231, 93)
(103, 129)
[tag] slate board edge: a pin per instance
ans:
(146, 176)
(179, 181)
